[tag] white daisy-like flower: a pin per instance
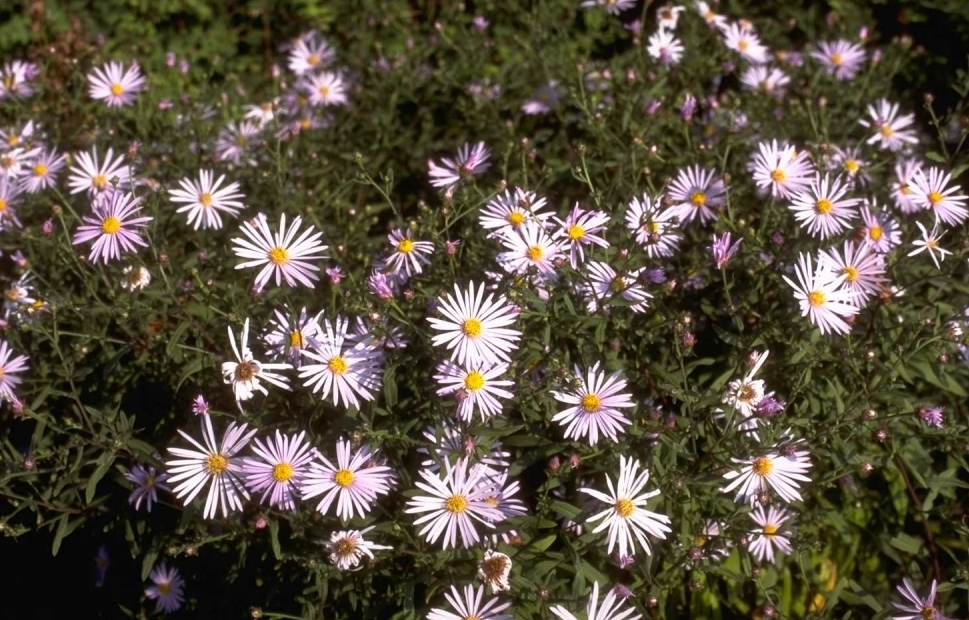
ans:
(98, 178)
(324, 89)
(596, 401)
(745, 394)
(475, 388)
(529, 247)
(213, 464)
(246, 373)
(167, 589)
(476, 331)
(880, 230)
(930, 191)
(604, 285)
(665, 48)
(282, 254)
(823, 209)
(510, 210)
(655, 228)
(781, 169)
(862, 267)
(347, 548)
(115, 85)
(450, 441)
(470, 161)
(279, 468)
(915, 607)
(290, 335)
(610, 608)
(135, 278)
(627, 518)
(741, 38)
(493, 569)
(892, 131)
(353, 484)
(695, 193)
(453, 504)
(582, 227)
(470, 605)
(905, 170)
(763, 542)
(408, 255)
(822, 296)
(930, 242)
(309, 54)
(780, 473)
(206, 200)
(349, 368)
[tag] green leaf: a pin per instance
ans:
(906, 543)
(148, 562)
(543, 543)
(390, 386)
(274, 539)
(104, 464)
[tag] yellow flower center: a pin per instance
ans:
(205, 199)
(345, 547)
(216, 464)
(625, 507)
(99, 181)
(313, 60)
(471, 328)
(875, 233)
(778, 175)
(837, 59)
(282, 472)
(591, 403)
(13, 140)
(337, 365)
(40, 170)
(935, 197)
(296, 339)
(698, 199)
(324, 91)
(164, 588)
(406, 246)
(743, 44)
(905, 189)
(304, 123)
(535, 253)
(344, 478)
(456, 504)
(278, 256)
(576, 232)
(117, 89)
(816, 299)
(928, 612)
(852, 166)
(886, 131)
(110, 225)
(770, 529)
(7, 162)
(823, 206)
(241, 141)
(516, 218)
(474, 381)
(617, 285)
(3, 205)
(851, 273)
(244, 371)
(763, 466)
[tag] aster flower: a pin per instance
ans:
(349, 368)
(282, 254)
(200, 406)
(309, 54)
(11, 191)
(279, 469)
(603, 283)
(451, 505)
(470, 161)
(324, 89)
(849, 161)
(862, 267)
(610, 609)
(654, 228)
(529, 247)
(741, 38)
(476, 388)
(880, 231)
(167, 588)
(821, 295)
(582, 227)
(215, 465)
(347, 548)
(115, 85)
(665, 48)
(353, 484)
(246, 372)
(408, 255)
(147, 483)
(668, 16)
(475, 331)
(781, 169)
(43, 171)
(613, 7)
(823, 209)
(509, 211)
(113, 227)
(449, 442)
(722, 250)
(932, 416)
(545, 99)
(842, 59)
(930, 241)
(97, 179)
(289, 336)
(627, 518)
(930, 191)
(694, 193)
(745, 394)
(914, 607)
(892, 131)
(902, 187)
(469, 603)
(772, 471)
(236, 141)
(595, 406)
(20, 296)
(205, 201)
(493, 569)
(770, 535)
(10, 367)
(712, 19)
(765, 79)
(15, 163)
(15, 78)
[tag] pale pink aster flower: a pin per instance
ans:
(205, 201)
(470, 161)
(200, 406)
(741, 38)
(914, 607)
(348, 547)
(781, 169)
(609, 609)
(822, 296)
(147, 482)
(350, 368)
(450, 442)
(309, 54)
(214, 465)
(167, 590)
(930, 191)
(494, 569)
(408, 255)
(762, 542)
(668, 16)
(282, 254)
(97, 179)
(470, 604)
(892, 131)
(452, 504)
(773, 471)
(545, 99)
(501, 497)
(712, 19)
(278, 469)
(862, 267)
(478, 388)
(930, 242)
(511, 210)
(842, 59)
(113, 226)
(613, 7)
(932, 416)
(823, 209)
(324, 89)
(694, 193)
(764, 78)
(879, 229)
(596, 404)
(744, 395)
(476, 331)
(604, 284)
(11, 191)
(582, 227)
(10, 367)
(655, 228)
(236, 141)
(665, 48)
(43, 172)
(905, 170)
(289, 335)
(264, 113)
(246, 372)
(627, 518)
(15, 78)
(15, 163)
(115, 85)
